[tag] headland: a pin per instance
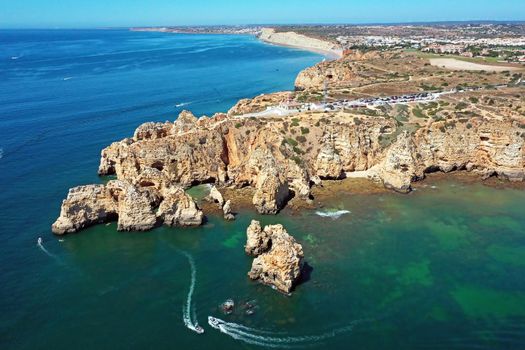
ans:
(389, 116)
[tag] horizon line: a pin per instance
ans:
(277, 24)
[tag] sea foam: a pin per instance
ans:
(332, 214)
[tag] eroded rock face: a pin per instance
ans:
(258, 153)
(216, 197)
(280, 158)
(271, 193)
(328, 163)
(179, 209)
(279, 258)
(227, 211)
(399, 166)
(258, 240)
(86, 206)
(136, 208)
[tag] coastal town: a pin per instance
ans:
(491, 41)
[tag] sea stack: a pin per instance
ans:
(278, 257)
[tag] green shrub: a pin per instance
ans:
(298, 150)
(291, 142)
(419, 113)
(304, 131)
(461, 106)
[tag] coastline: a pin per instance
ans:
(270, 36)
(274, 166)
(299, 41)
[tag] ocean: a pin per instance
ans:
(441, 268)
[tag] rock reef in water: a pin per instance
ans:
(278, 257)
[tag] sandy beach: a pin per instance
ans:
(292, 39)
(455, 64)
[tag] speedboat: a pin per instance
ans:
(214, 322)
(198, 329)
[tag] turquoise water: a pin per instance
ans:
(442, 268)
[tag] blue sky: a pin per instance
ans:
(96, 13)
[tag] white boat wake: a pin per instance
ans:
(189, 315)
(264, 338)
(42, 248)
(68, 78)
(334, 214)
(182, 104)
(1, 153)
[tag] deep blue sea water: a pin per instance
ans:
(441, 268)
(66, 94)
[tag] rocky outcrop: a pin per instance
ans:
(265, 154)
(86, 206)
(353, 70)
(135, 208)
(271, 193)
(227, 211)
(258, 240)
(259, 103)
(279, 258)
(328, 163)
(333, 74)
(281, 156)
(179, 209)
(152, 131)
(488, 147)
(398, 169)
(216, 197)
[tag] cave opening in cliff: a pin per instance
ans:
(158, 165)
(432, 169)
(146, 184)
(210, 180)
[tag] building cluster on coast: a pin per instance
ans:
(504, 42)
(289, 107)
(506, 49)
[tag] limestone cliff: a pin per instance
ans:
(268, 155)
(280, 158)
(135, 208)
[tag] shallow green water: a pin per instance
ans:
(442, 268)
